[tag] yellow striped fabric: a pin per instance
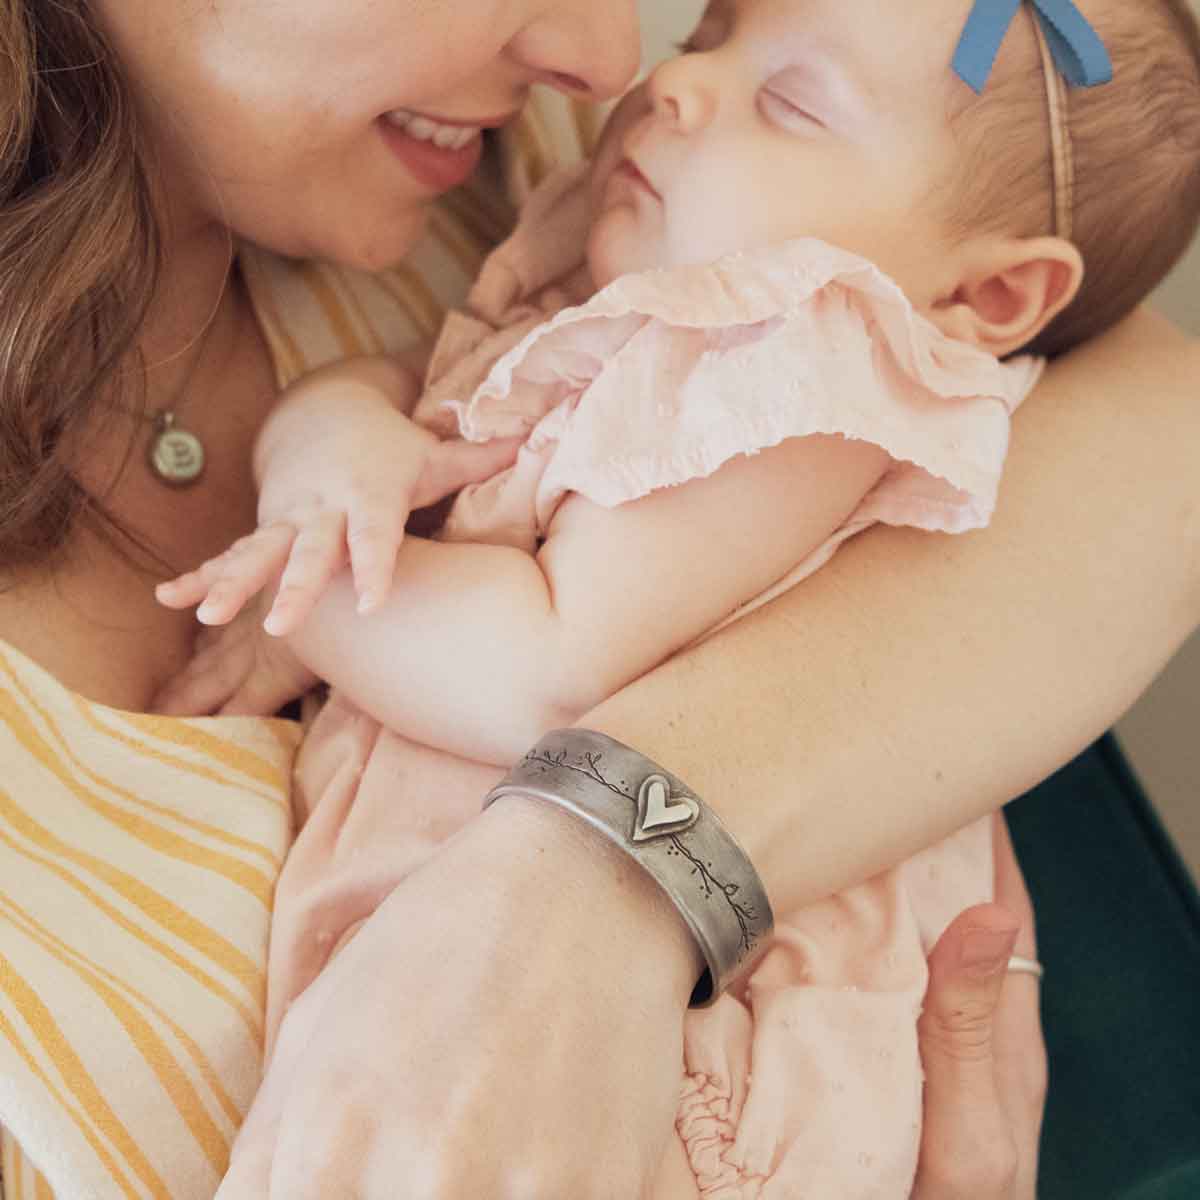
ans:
(139, 854)
(138, 857)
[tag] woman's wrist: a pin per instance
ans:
(612, 902)
(657, 821)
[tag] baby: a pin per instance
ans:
(781, 305)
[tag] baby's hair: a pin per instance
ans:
(1136, 145)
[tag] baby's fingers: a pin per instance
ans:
(190, 588)
(224, 584)
(317, 554)
(454, 464)
(373, 534)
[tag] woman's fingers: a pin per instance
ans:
(1010, 890)
(968, 1151)
(1020, 1051)
(982, 1049)
(250, 1168)
(208, 681)
(316, 555)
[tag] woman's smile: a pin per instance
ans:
(438, 152)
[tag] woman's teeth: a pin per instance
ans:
(447, 137)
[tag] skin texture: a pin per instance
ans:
(867, 688)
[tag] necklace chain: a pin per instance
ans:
(176, 456)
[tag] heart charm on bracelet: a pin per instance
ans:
(658, 813)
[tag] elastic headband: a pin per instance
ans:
(1071, 53)
(1061, 149)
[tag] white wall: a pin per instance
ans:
(1160, 734)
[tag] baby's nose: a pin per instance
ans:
(682, 94)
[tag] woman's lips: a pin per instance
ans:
(434, 166)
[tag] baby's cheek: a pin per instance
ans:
(614, 139)
(617, 246)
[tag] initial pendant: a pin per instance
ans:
(176, 456)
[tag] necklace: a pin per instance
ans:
(176, 455)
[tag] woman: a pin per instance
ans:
(272, 126)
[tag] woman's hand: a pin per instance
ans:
(236, 669)
(507, 1024)
(982, 1050)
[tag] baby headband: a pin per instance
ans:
(1071, 51)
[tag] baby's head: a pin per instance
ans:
(1134, 146)
(845, 122)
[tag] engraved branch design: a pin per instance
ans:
(745, 914)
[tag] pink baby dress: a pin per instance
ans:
(805, 1080)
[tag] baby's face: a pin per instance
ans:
(785, 119)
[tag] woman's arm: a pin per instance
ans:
(918, 681)
(912, 684)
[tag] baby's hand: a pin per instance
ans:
(236, 669)
(341, 469)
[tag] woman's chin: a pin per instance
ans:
(357, 244)
(380, 247)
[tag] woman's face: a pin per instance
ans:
(284, 119)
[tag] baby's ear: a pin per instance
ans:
(1008, 291)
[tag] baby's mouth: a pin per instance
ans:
(629, 170)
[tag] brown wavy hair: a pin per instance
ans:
(79, 263)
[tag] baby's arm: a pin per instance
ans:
(339, 466)
(480, 649)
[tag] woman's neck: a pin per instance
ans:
(194, 304)
(92, 620)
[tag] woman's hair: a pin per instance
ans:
(1136, 144)
(79, 262)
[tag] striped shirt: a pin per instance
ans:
(139, 853)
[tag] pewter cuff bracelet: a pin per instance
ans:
(673, 834)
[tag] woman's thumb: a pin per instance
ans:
(966, 973)
(966, 1136)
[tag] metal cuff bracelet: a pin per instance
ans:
(671, 833)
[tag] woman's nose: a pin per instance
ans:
(592, 47)
(682, 94)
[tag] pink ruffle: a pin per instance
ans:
(665, 375)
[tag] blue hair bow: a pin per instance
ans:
(1076, 46)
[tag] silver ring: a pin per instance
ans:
(1026, 966)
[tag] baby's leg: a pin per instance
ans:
(808, 1080)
